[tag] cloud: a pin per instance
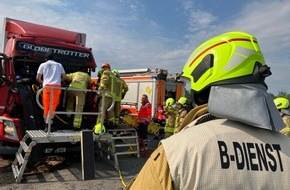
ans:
(120, 31)
(267, 20)
(57, 3)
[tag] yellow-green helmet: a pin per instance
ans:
(230, 58)
(99, 129)
(182, 101)
(116, 72)
(281, 103)
(169, 102)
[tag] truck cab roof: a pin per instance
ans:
(26, 29)
(30, 41)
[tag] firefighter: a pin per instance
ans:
(52, 73)
(282, 104)
(144, 118)
(105, 66)
(107, 83)
(171, 112)
(231, 140)
(120, 90)
(76, 99)
(182, 112)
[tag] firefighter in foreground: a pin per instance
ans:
(282, 104)
(171, 112)
(76, 99)
(231, 140)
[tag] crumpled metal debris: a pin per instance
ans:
(45, 165)
(4, 162)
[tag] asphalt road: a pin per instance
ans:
(68, 175)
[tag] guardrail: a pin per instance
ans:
(101, 112)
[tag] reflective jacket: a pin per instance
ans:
(286, 130)
(107, 83)
(160, 113)
(218, 154)
(120, 88)
(171, 119)
(144, 114)
(180, 117)
(79, 80)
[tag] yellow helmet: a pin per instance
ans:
(230, 58)
(99, 129)
(182, 101)
(116, 72)
(169, 102)
(281, 103)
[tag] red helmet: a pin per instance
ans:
(107, 65)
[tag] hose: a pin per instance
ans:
(122, 180)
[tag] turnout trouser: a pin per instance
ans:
(76, 99)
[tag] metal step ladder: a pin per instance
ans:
(33, 137)
(21, 158)
(124, 142)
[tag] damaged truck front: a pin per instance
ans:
(24, 46)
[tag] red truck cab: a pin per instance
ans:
(24, 46)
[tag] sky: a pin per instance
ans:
(134, 34)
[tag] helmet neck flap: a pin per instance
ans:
(245, 103)
(285, 112)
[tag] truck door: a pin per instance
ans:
(4, 83)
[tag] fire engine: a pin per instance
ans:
(156, 83)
